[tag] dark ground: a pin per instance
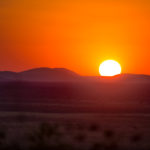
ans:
(75, 97)
(75, 115)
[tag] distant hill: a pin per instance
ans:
(8, 76)
(40, 74)
(48, 74)
(120, 78)
(62, 74)
(122, 93)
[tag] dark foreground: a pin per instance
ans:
(37, 131)
(75, 116)
(75, 97)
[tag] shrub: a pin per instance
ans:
(136, 138)
(80, 137)
(97, 146)
(94, 127)
(109, 134)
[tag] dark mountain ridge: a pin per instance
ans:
(39, 74)
(39, 90)
(62, 74)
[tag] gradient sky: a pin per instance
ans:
(75, 34)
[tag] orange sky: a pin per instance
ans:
(75, 34)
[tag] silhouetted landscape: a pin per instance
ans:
(61, 110)
(63, 74)
(75, 75)
(61, 90)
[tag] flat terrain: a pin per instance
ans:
(81, 131)
(75, 115)
(75, 97)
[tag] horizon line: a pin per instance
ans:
(71, 71)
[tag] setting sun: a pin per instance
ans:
(109, 68)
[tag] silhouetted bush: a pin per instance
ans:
(2, 138)
(111, 146)
(97, 146)
(39, 138)
(80, 137)
(136, 138)
(2, 135)
(109, 134)
(94, 127)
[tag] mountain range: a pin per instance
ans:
(39, 74)
(62, 74)
(61, 90)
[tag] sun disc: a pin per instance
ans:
(109, 68)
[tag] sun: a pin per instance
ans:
(109, 68)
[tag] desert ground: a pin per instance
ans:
(74, 131)
(74, 115)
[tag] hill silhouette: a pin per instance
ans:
(48, 90)
(48, 74)
(62, 74)
(40, 74)
(8, 76)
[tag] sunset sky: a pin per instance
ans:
(75, 34)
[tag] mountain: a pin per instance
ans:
(7, 76)
(120, 78)
(48, 74)
(133, 78)
(40, 74)
(122, 93)
(62, 74)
